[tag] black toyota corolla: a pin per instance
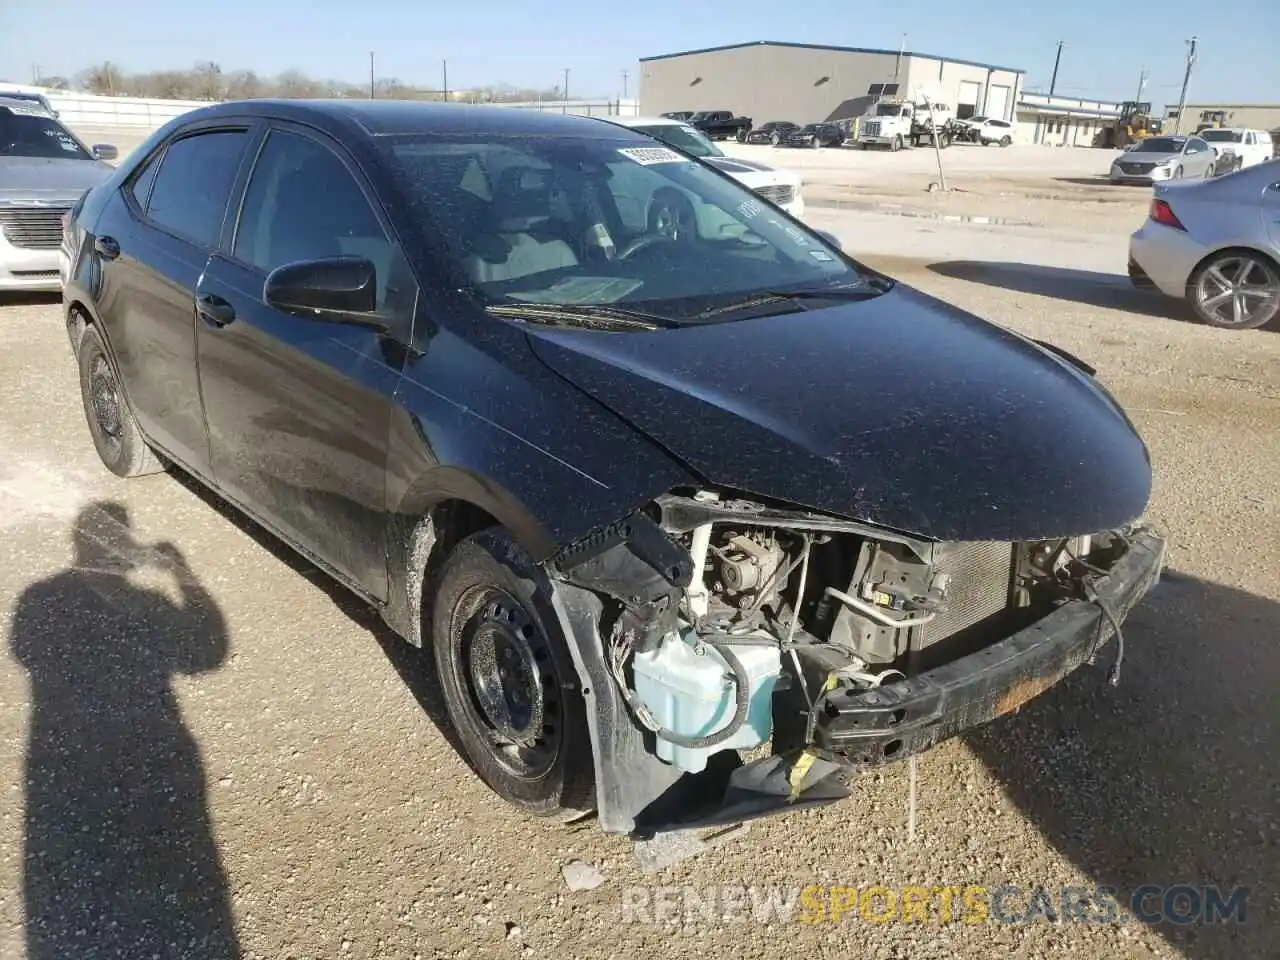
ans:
(656, 473)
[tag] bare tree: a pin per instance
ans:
(208, 81)
(104, 78)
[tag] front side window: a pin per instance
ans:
(189, 195)
(302, 203)
(33, 132)
(594, 222)
(1222, 136)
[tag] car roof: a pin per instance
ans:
(392, 117)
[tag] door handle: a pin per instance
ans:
(214, 310)
(107, 248)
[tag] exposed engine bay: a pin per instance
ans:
(726, 624)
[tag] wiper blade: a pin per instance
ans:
(865, 289)
(593, 316)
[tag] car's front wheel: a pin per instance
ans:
(1236, 290)
(508, 678)
(112, 426)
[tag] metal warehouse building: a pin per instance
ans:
(805, 83)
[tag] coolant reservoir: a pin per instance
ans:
(691, 692)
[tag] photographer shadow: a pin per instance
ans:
(119, 858)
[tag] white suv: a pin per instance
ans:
(782, 187)
(990, 130)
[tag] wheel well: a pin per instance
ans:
(1262, 255)
(455, 520)
(78, 318)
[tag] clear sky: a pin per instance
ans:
(530, 43)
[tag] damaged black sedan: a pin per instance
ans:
(691, 512)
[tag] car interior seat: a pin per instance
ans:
(519, 236)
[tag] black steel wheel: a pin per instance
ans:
(509, 683)
(112, 426)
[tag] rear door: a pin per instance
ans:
(152, 249)
(299, 408)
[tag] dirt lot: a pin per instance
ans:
(287, 793)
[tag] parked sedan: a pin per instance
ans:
(1158, 159)
(605, 436)
(1215, 244)
(44, 168)
(772, 132)
(814, 135)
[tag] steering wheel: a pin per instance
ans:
(644, 242)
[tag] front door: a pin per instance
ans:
(298, 408)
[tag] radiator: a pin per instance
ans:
(981, 575)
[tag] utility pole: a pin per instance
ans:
(1056, 60)
(35, 74)
(1186, 79)
(444, 78)
(564, 106)
(624, 84)
(1142, 84)
(902, 49)
(371, 91)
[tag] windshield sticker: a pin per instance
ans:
(821, 255)
(582, 290)
(750, 209)
(646, 156)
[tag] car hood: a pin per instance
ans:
(49, 179)
(900, 411)
(751, 172)
(1156, 158)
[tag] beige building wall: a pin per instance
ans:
(1260, 116)
(764, 82)
(991, 91)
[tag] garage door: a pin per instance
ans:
(967, 100)
(998, 102)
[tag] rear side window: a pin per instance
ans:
(189, 195)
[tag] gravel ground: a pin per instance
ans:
(276, 785)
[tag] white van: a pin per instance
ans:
(1251, 146)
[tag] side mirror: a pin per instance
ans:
(339, 289)
(105, 151)
(830, 238)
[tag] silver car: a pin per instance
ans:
(44, 169)
(1158, 159)
(1216, 244)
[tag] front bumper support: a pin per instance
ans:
(865, 727)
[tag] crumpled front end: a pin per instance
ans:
(712, 628)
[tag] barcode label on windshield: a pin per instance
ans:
(651, 155)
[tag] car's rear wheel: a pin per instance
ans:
(775, 139)
(1236, 290)
(112, 426)
(508, 679)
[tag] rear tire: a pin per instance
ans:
(1212, 300)
(112, 425)
(508, 678)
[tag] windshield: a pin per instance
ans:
(603, 222)
(1160, 145)
(702, 115)
(1222, 136)
(890, 110)
(31, 132)
(682, 138)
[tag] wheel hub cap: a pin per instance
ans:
(504, 667)
(1237, 290)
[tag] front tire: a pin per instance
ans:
(896, 145)
(1006, 140)
(508, 678)
(112, 425)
